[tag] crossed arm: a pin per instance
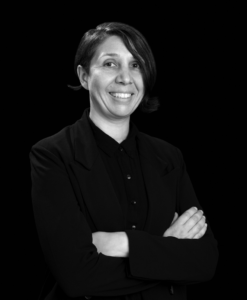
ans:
(190, 225)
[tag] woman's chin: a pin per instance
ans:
(121, 112)
(122, 108)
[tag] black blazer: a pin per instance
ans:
(73, 197)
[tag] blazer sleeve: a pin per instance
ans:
(66, 238)
(184, 261)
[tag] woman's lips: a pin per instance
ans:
(121, 95)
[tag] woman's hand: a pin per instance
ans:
(114, 244)
(190, 225)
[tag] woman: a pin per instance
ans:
(115, 210)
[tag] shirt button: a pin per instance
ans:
(133, 202)
(121, 149)
(128, 176)
(133, 226)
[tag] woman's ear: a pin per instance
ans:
(83, 76)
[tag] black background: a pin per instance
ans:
(193, 48)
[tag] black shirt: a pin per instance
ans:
(123, 166)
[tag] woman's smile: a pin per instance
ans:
(121, 96)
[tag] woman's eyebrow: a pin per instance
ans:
(109, 54)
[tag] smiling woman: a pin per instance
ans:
(116, 88)
(115, 210)
(115, 63)
(134, 42)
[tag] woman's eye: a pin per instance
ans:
(136, 65)
(109, 64)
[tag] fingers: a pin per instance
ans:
(202, 232)
(193, 220)
(196, 229)
(191, 224)
(187, 215)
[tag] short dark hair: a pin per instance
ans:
(137, 46)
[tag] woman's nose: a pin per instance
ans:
(124, 77)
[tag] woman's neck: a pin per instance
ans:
(116, 129)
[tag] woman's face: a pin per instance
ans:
(115, 81)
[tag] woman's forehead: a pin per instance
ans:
(112, 46)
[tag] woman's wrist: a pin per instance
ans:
(118, 244)
(123, 244)
(115, 244)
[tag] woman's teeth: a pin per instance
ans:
(120, 95)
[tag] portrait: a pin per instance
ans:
(115, 209)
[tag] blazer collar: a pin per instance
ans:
(109, 145)
(86, 149)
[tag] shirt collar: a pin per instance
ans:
(109, 145)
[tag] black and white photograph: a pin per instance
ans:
(123, 138)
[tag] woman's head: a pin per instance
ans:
(134, 42)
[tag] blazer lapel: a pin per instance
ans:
(160, 182)
(95, 184)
